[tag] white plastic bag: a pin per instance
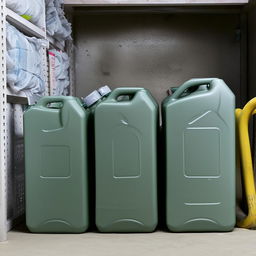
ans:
(24, 67)
(57, 25)
(60, 72)
(30, 8)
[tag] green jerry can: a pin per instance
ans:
(199, 130)
(56, 166)
(126, 161)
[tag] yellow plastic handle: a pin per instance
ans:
(243, 116)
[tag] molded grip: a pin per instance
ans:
(123, 91)
(191, 83)
(50, 99)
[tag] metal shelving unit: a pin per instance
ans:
(3, 127)
(153, 2)
(11, 124)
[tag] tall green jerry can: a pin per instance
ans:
(126, 161)
(56, 166)
(199, 128)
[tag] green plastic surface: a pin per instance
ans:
(199, 130)
(56, 166)
(126, 162)
(91, 159)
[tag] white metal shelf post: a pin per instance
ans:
(10, 179)
(45, 67)
(70, 51)
(3, 107)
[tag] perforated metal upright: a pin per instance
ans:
(70, 51)
(45, 68)
(3, 118)
(11, 125)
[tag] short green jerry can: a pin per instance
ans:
(56, 166)
(126, 161)
(199, 128)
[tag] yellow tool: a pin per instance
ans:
(242, 117)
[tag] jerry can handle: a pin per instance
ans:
(44, 101)
(123, 91)
(190, 83)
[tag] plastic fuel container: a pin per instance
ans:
(56, 166)
(199, 130)
(126, 161)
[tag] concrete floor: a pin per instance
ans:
(239, 242)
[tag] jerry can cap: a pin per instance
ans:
(104, 90)
(92, 98)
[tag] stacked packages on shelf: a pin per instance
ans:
(57, 25)
(59, 72)
(24, 63)
(32, 12)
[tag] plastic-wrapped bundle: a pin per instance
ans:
(60, 72)
(31, 11)
(57, 25)
(24, 67)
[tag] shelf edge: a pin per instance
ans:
(24, 25)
